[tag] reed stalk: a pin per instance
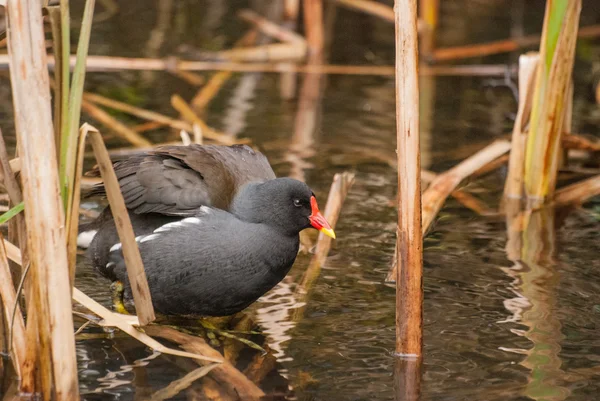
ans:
(70, 126)
(501, 46)
(528, 64)
(557, 53)
(110, 63)
(131, 253)
(371, 7)
(41, 193)
(123, 131)
(313, 27)
(409, 279)
(290, 21)
(429, 10)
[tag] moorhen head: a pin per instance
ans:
(217, 262)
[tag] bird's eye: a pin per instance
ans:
(297, 203)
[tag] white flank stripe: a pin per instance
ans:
(115, 247)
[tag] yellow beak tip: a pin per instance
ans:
(328, 232)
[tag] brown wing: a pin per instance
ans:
(177, 180)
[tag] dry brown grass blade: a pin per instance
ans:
(177, 386)
(125, 323)
(15, 324)
(528, 64)
(44, 210)
(337, 194)
(270, 28)
(114, 125)
(186, 111)
(212, 87)
(131, 253)
(225, 373)
(137, 112)
(445, 183)
(579, 192)
(273, 52)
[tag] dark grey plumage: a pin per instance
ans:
(217, 263)
(178, 180)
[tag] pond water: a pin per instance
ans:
(495, 329)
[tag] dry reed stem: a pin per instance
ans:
(574, 141)
(409, 290)
(273, 52)
(125, 323)
(445, 183)
(131, 253)
(371, 7)
(547, 114)
(313, 27)
(212, 87)
(44, 210)
(185, 138)
(151, 116)
(187, 113)
(114, 125)
(149, 126)
(109, 63)
(177, 386)
(429, 12)
(225, 373)
(15, 325)
(528, 64)
(290, 22)
(502, 46)
(579, 192)
(270, 28)
(190, 77)
(337, 195)
(198, 136)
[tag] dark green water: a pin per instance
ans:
(494, 329)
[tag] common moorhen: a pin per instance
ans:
(239, 236)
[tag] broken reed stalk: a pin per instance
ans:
(177, 386)
(126, 324)
(131, 253)
(290, 22)
(557, 54)
(15, 326)
(513, 187)
(501, 46)
(313, 27)
(224, 373)
(212, 87)
(371, 7)
(429, 11)
(271, 29)
(41, 192)
(188, 113)
(137, 112)
(109, 63)
(444, 184)
(114, 125)
(337, 195)
(579, 192)
(409, 287)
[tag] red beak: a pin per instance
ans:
(318, 221)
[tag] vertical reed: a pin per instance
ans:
(557, 53)
(409, 280)
(313, 27)
(528, 64)
(429, 11)
(41, 193)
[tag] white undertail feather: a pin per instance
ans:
(84, 239)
